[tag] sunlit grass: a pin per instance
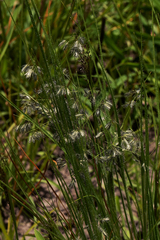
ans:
(81, 77)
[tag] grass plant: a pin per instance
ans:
(79, 78)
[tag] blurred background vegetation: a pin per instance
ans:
(123, 27)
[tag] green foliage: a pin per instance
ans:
(82, 77)
(38, 235)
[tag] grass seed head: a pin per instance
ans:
(31, 72)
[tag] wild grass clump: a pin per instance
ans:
(74, 104)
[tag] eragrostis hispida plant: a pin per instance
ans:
(78, 118)
(72, 95)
